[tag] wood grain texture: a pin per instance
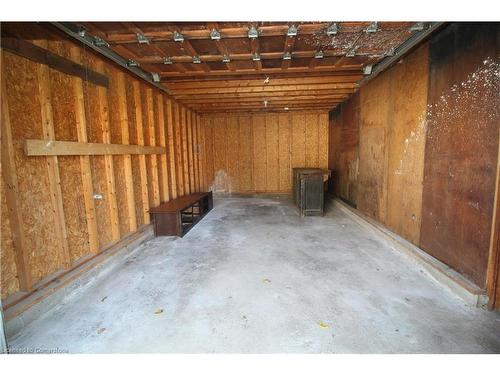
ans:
(255, 153)
(47, 200)
(171, 149)
(63, 101)
(38, 220)
(462, 147)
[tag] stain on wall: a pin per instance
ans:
(462, 145)
(255, 153)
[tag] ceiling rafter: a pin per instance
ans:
(219, 71)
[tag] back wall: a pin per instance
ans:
(255, 153)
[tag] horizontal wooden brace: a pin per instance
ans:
(40, 147)
(40, 55)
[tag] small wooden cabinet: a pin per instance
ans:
(178, 216)
(309, 190)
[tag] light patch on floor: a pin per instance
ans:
(254, 277)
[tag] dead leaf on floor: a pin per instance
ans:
(323, 325)
(159, 311)
(266, 281)
(100, 330)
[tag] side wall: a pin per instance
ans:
(50, 220)
(255, 153)
(427, 156)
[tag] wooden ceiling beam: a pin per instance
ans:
(121, 49)
(260, 82)
(232, 32)
(296, 87)
(254, 99)
(330, 69)
(261, 76)
(270, 100)
(265, 110)
(261, 105)
(242, 56)
(221, 46)
(260, 94)
(288, 48)
(255, 49)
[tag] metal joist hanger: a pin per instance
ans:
(74, 31)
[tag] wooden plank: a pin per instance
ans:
(284, 153)
(259, 153)
(179, 168)
(39, 147)
(312, 142)
(108, 159)
(161, 140)
(142, 158)
(196, 151)
(323, 140)
(63, 103)
(461, 148)
(43, 56)
(184, 145)
(245, 154)
(127, 160)
(298, 141)
(493, 273)
(151, 160)
(258, 82)
(267, 89)
(272, 154)
(220, 154)
(86, 175)
(9, 175)
(373, 130)
(189, 130)
(209, 152)
(171, 149)
(232, 158)
(35, 200)
(406, 145)
(201, 153)
(52, 162)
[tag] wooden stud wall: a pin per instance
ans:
(255, 153)
(50, 219)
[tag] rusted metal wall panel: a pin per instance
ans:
(461, 146)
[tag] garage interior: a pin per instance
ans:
(104, 122)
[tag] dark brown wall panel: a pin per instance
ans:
(462, 144)
(344, 145)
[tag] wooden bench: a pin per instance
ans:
(178, 216)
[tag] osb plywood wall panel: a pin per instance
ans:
(63, 104)
(8, 270)
(344, 148)
(255, 153)
(129, 185)
(38, 217)
(461, 152)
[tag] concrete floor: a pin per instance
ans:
(253, 277)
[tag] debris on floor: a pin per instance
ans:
(323, 325)
(158, 311)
